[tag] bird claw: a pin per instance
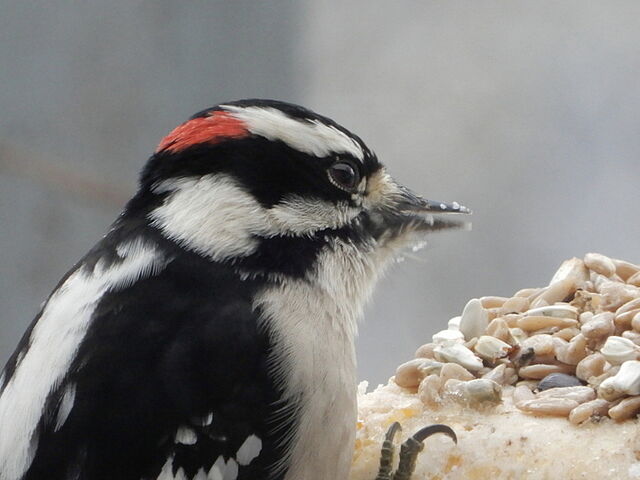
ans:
(408, 451)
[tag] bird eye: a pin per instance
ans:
(344, 176)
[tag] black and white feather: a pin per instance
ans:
(209, 335)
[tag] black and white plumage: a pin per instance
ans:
(209, 334)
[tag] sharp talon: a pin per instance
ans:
(408, 452)
(386, 455)
(414, 445)
(424, 433)
(393, 429)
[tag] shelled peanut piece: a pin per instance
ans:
(570, 349)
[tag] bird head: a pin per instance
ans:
(273, 188)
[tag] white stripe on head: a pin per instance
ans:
(308, 136)
(53, 345)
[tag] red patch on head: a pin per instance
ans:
(217, 127)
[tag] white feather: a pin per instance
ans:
(186, 436)
(53, 344)
(211, 215)
(249, 450)
(217, 469)
(231, 470)
(167, 472)
(66, 404)
(201, 475)
(312, 137)
(297, 215)
(214, 216)
(180, 474)
(314, 322)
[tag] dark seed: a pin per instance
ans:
(558, 380)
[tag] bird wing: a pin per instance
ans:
(168, 378)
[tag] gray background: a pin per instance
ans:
(528, 112)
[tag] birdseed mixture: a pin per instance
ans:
(570, 349)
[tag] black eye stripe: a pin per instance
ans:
(344, 175)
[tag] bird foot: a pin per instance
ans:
(408, 451)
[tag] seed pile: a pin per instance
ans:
(570, 349)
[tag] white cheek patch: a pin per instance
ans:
(311, 137)
(211, 215)
(53, 345)
(214, 216)
(299, 215)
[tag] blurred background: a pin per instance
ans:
(527, 112)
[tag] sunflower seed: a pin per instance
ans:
(579, 393)
(625, 382)
(474, 319)
(429, 391)
(625, 270)
(598, 327)
(556, 407)
(539, 371)
(491, 348)
(447, 337)
(600, 263)
(627, 408)
(453, 370)
(590, 366)
(634, 279)
(573, 269)
(492, 302)
(574, 351)
(539, 322)
(561, 310)
(515, 305)
(425, 351)
(411, 373)
(583, 412)
(618, 350)
(458, 354)
(522, 393)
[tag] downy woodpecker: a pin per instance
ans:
(210, 333)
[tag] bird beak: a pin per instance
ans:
(418, 214)
(410, 202)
